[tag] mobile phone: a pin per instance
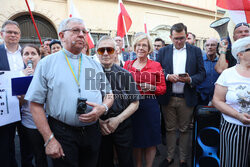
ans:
(183, 75)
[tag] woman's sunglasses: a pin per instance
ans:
(109, 50)
(247, 50)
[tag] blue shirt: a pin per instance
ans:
(206, 88)
(54, 84)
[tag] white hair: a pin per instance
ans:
(240, 46)
(105, 38)
(63, 25)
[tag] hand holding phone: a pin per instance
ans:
(183, 75)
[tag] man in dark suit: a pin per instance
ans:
(184, 69)
(10, 60)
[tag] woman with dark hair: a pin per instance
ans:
(31, 54)
(150, 80)
(55, 46)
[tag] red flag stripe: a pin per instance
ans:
(234, 4)
(90, 41)
(247, 16)
(120, 25)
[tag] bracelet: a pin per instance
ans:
(222, 52)
(50, 138)
(106, 109)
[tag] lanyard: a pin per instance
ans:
(72, 71)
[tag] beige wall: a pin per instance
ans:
(101, 15)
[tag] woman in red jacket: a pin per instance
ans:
(150, 81)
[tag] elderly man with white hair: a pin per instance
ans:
(76, 93)
(232, 98)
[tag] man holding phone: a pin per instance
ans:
(184, 69)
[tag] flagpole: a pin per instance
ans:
(32, 18)
(125, 30)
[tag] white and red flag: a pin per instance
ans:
(74, 13)
(145, 27)
(124, 21)
(239, 10)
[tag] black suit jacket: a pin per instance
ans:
(194, 67)
(4, 63)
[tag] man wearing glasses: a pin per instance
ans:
(10, 60)
(76, 93)
(119, 43)
(205, 90)
(184, 70)
(116, 126)
(226, 59)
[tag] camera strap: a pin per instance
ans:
(72, 70)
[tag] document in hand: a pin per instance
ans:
(20, 85)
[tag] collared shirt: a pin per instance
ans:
(15, 59)
(179, 66)
(54, 84)
(206, 88)
(124, 89)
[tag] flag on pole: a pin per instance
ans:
(239, 10)
(145, 27)
(74, 13)
(124, 20)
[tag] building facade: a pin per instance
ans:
(100, 17)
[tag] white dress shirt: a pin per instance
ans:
(179, 66)
(15, 59)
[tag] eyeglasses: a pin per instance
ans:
(247, 50)
(212, 45)
(12, 32)
(144, 46)
(76, 31)
(240, 24)
(179, 38)
(109, 50)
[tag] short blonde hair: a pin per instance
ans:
(141, 37)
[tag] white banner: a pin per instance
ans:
(9, 105)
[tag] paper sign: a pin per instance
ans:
(9, 105)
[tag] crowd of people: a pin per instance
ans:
(115, 108)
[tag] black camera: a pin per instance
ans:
(81, 105)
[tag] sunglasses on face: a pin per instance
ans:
(247, 50)
(240, 24)
(109, 50)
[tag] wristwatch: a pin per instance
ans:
(106, 109)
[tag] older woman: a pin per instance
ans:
(150, 81)
(232, 98)
(29, 132)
